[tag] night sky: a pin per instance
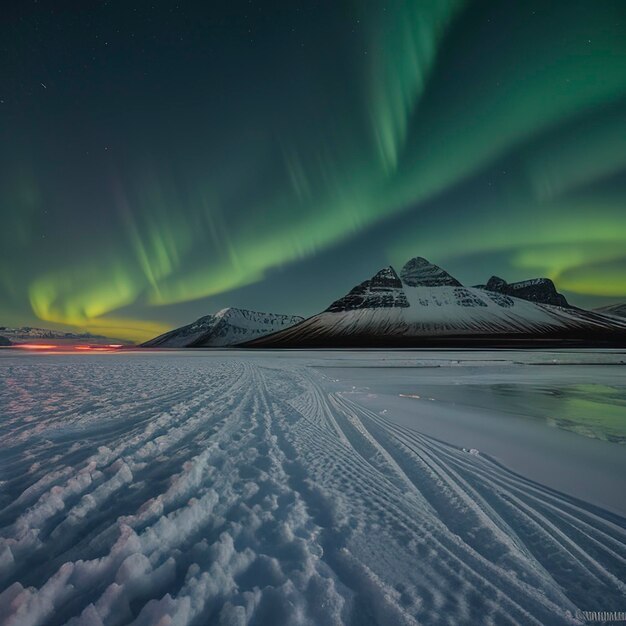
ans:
(161, 160)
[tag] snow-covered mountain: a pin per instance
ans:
(226, 328)
(424, 303)
(29, 333)
(540, 290)
(418, 272)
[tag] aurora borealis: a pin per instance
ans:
(161, 160)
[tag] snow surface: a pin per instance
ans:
(618, 310)
(300, 488)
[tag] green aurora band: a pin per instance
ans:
(454, 130)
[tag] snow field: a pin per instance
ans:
(142, 489)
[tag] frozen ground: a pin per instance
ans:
(311, 487)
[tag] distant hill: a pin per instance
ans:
(228, 327)
(26, 334)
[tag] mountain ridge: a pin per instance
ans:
(423, 304)
(540, 290)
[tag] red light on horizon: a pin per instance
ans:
(35, 346)
(99, 348)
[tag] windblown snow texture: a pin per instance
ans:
(426, 303)
(618, 310)
(225, 328)
(193, 490)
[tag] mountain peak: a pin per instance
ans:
(383, 290)
(419, 272)
(538, 290)
(226, 312)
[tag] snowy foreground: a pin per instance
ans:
(311, 488)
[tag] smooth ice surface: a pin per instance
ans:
(365, 487)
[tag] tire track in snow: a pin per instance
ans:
(531, 499)
(572, 564)
(395, 510)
